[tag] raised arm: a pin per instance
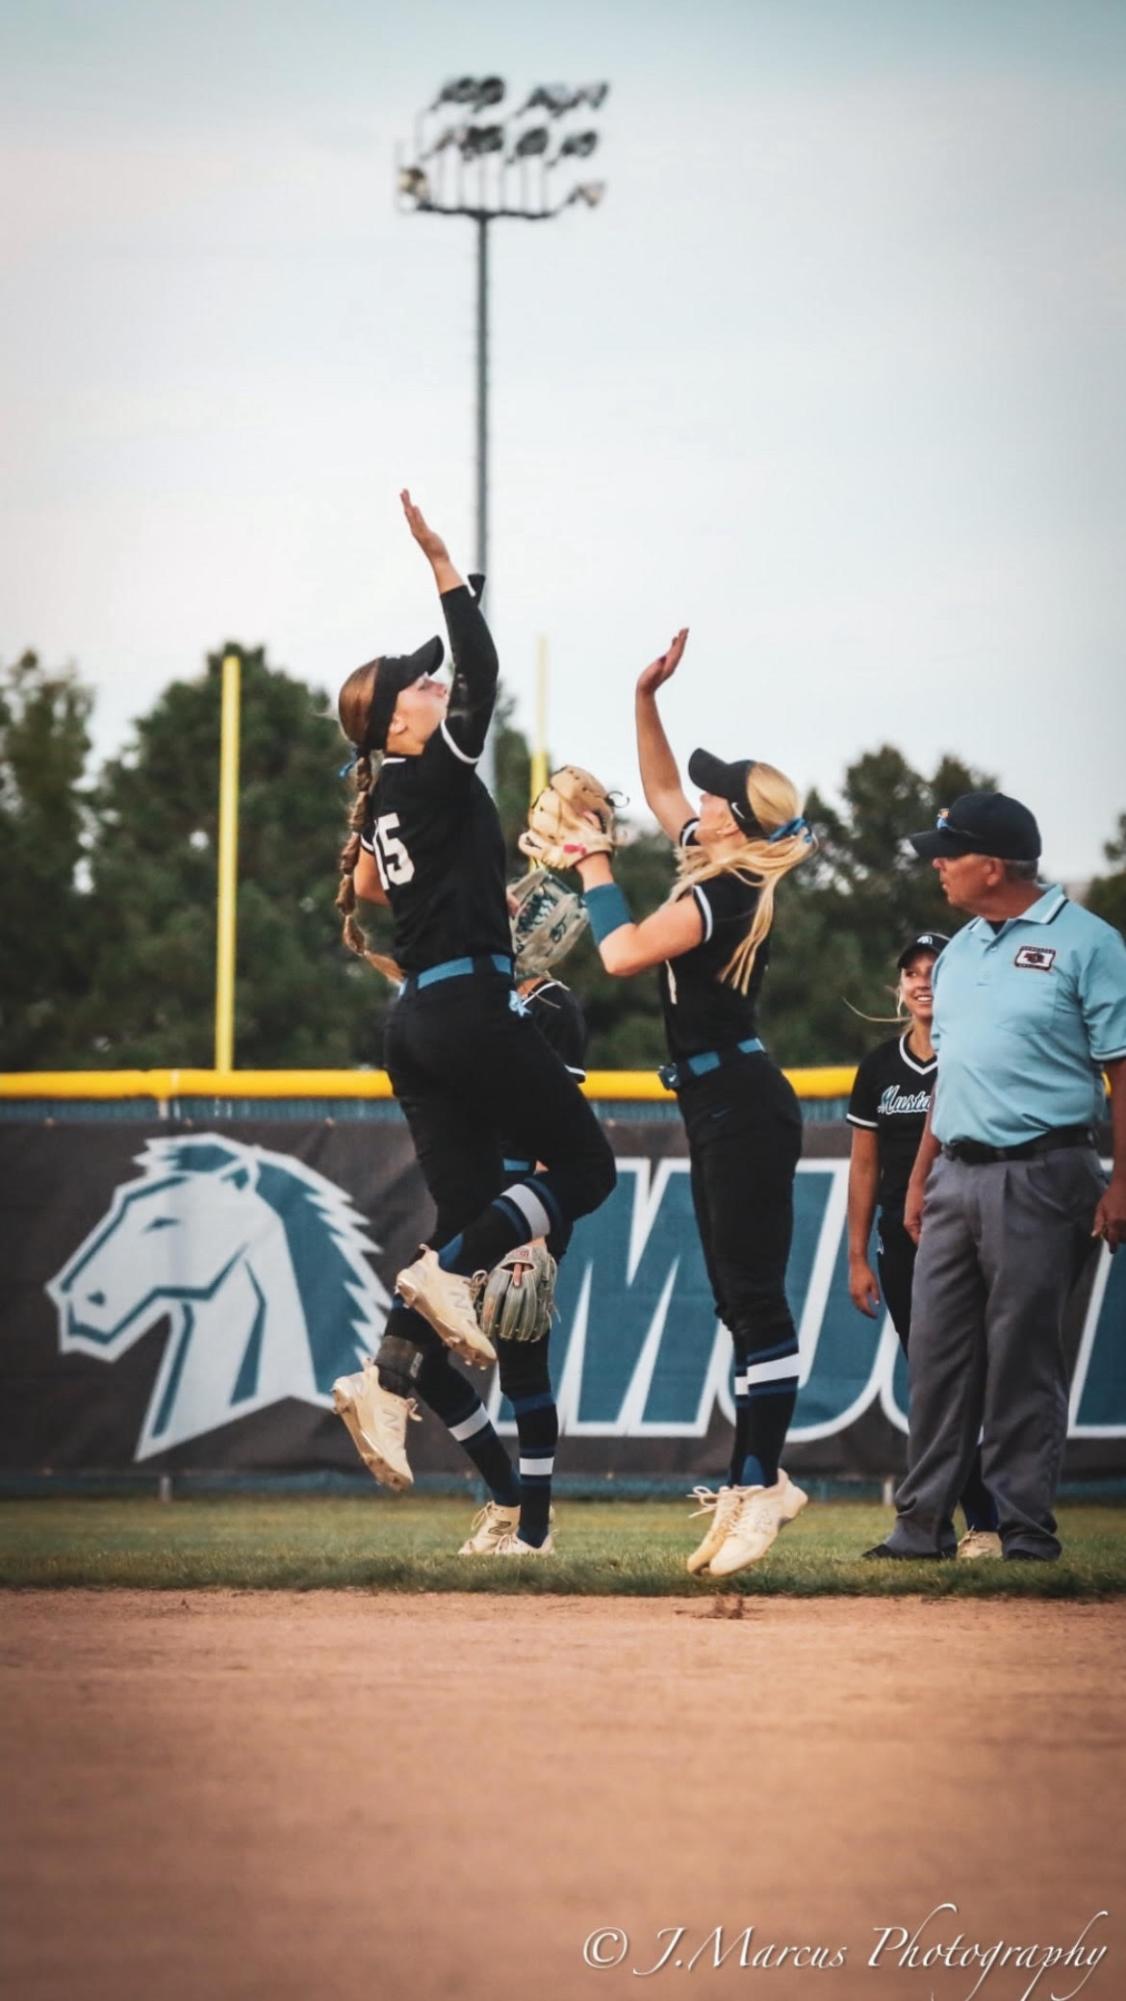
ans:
(660, 779)
(623, 946)
(476, 668)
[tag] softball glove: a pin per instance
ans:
(573, 817)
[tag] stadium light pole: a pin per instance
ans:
(506, 169)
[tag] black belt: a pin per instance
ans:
(973, 1154)
(675, 1075)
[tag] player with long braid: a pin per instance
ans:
(711, 940)
(461, 1051)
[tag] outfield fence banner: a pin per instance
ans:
(181, 1296)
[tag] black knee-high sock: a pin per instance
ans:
(525, 1210)
(766, 1390)
(456, 1402)
(537, 1427)
(739, 1447)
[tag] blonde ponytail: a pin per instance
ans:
(760, 861)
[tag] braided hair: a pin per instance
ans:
(354, 708)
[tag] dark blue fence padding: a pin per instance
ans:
(178, 1296)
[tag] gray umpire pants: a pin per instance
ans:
(1002, 1246)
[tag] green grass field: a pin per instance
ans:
(623, 1547)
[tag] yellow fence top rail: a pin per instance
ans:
(834, 1081)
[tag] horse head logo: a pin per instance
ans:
(257, 1262)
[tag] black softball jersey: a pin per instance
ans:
(891, 1097)
(431, 825)
(560, 1020)
(702, 1012)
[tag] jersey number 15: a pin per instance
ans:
(391, 857)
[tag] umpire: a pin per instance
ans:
(1007, 1190)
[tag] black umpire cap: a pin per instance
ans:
(981, 823)
(927, 941)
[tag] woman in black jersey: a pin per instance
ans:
(887, 1112)
(711, 941)
(464, 1057)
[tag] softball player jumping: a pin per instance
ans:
(711, 943)
(463, 1054)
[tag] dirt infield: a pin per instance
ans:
(351, 1797)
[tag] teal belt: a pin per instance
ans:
(674, 1075)
(458, 969)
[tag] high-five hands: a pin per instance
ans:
(429, 541)
(664, 667)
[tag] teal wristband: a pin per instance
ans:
(607, 909)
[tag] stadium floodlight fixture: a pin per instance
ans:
(590, 192)
(459, 90)
(476, 140)
(489, 172)
(450, 136)
(554, 98)
(414, 183)
(476, 93)
(534, 140)
(490, 90)
(577, 146)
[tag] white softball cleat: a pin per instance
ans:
(794, 1498)
(449, 1302)
(489, 1527)
(725, 1506)
(978, 1543)
(722, 1507)
(761, 1512)
(377, 1424)
(511, 1545)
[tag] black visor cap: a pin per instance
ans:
(397, 671)
(927, 941)
(725, 781)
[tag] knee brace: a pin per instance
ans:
(401, 1360)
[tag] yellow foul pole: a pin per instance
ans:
(539, 742)
(228, 865)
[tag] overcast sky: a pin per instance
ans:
(835, 375)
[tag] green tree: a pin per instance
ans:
(300, 997)
(843, 917)
(44, 746)
(1106, 894)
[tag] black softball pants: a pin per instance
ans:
(744, 1142)
(466, 1069)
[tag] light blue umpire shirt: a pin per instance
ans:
(1024, 1019)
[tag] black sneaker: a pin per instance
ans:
(884, 1550)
